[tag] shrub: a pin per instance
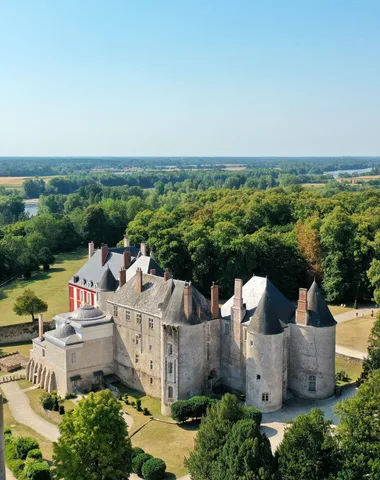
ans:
(194, 407)
(61, 410)
(138, 462)
(252, 413)
(47, 401)
(154, 469)
(136, 451)
(126, 399)
(36, 454)
(56, 404)
(24, 445)
(138, 405)
(38, 471)
(342, 376)
(146, 411)
(133, 404)
(7, 431)
(71, 395)
(15, 464)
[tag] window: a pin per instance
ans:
(81, 295)
(137, 339)
(43, 352)
(251, 343)
(128, 315)
(151, 380)
(73, 357)
(170, 392)
(312, 383)
(170, 332)
(265, 397)
(151, 322)
(226, 328)
(170, 367)
(88, 297)
(138, 318)
(151, 364)
(170, 349)
(245, 334)
(150, 347)
(136, 358)
(75, 383)
(115, 311)
(258, 377)
(208, 351)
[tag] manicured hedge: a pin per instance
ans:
(38, 471)
(154, 469)
(31, 466)
(194, 408)
(24, 445)
(36, 454)
(138, 462)
(136, 451)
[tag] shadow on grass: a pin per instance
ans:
(129, 391)
(190, 426)
(170, 476)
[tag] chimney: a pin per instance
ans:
(301, 315)
(152, 271)
(41, 326)
(91, 249)
(139, 280)
(143, 248)
(238, 293)
(122, 277)
(167, 275)
(104, 254)
(127, 242)
(214, 301)
(126, 259)
(188, 300)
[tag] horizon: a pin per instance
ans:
(189, 79)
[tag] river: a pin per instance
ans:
(336, 173)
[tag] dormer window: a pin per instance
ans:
(84, 281)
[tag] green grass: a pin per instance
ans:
(21, 347)
(353, 369)
(354, 333)
(51, 416)
(51, 286)
(23, 384)
(152, 404)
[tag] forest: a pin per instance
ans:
(290, 234)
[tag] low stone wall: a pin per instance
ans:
(22, 332)
(349, 359)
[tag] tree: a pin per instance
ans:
(33, 188)
(29, 304)
(372, 362)
(46, 258)
(374, 277)
(28, 263)
(308, 449)
(358, 431)
(94, 442)
(94, 224)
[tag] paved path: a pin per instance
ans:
(351, 315)
(274, 423)
(9, 474)
(350, 352)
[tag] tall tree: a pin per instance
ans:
(308, 449)
(372, 362)
(29, 304)
(94, 442)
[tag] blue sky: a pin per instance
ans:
(209, 77)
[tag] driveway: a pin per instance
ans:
(273, 424)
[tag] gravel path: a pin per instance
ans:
(351, 315)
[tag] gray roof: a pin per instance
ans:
(253, 291)
(164, 299)
(94, 276)
(319, 314)
(87, 312)
(265, 320)
(65, 334)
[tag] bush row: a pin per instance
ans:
(194, 407)
(147, 466)
(24, 458)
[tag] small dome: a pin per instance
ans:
(65, 330)
(87, 312)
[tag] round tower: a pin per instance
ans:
(312, 347)
(265, 358)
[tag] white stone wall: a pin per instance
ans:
(312, 352)
(264, 371)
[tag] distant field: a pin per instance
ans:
(16, 182)
(50, 286)
(362, 178)
(354, 333)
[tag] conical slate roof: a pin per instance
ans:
(265, 319)
(319, 312)
(107, 282)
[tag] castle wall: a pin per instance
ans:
(264, 370)
(232, 355)
(312, 354)
(21, 332)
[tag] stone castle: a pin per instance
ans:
(163, 337)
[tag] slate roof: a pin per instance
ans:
(164, 299)
(94, 276)
(265, 320)
(253, 291)
(319, 314)
(65, 334)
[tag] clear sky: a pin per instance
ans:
(190, 77)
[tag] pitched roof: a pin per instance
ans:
(164, 299)
(93, 275)
(319, 312)
(253, 291)
(265, 320)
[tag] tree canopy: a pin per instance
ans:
(29, 304)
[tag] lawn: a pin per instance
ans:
(20, 430)
(152, 404)
(23, 384)
(51, 416)
(172, 443)
(21, 347)
(337, 309)
(353, 369)
(354, 333)
(51, 286)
